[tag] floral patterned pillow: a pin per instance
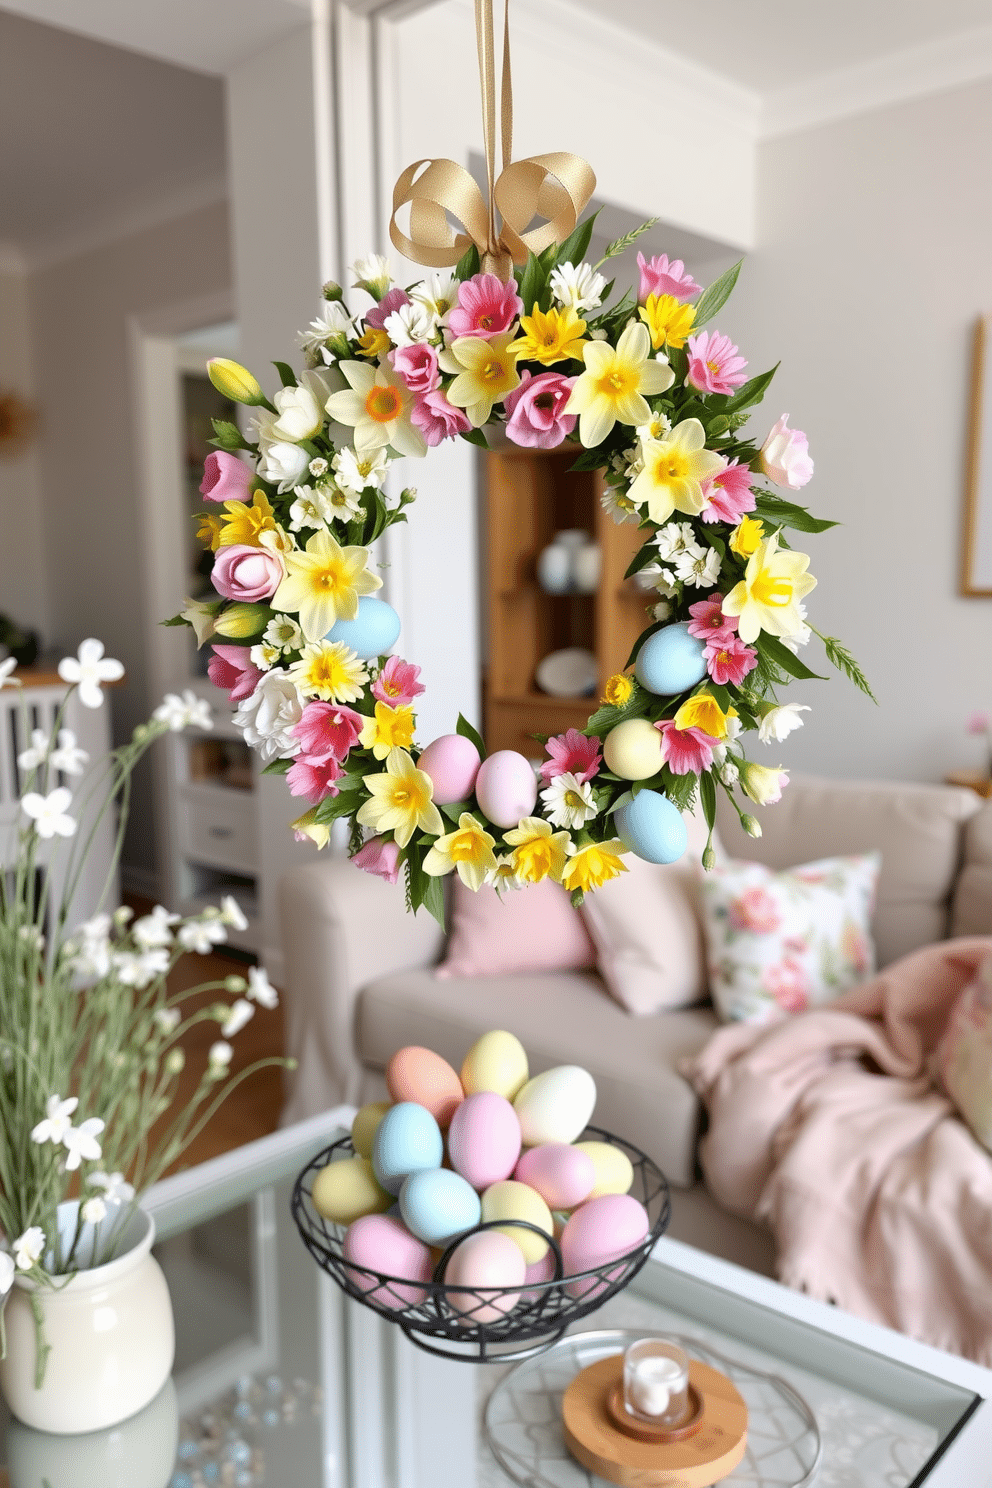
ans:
(779, 943)
(964, 1057)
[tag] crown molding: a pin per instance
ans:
(916, 72)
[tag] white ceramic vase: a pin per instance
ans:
(110, 1331)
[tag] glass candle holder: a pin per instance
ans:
(656, 1382)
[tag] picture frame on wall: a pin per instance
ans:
(976, 567)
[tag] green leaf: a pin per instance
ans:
(468, 264)
(721, 694)
(476, 437)
(607, 716)
(573, 250)
(466, 730)
(641, 559)
(591, 459)
(840, 657)
(533, 283)
(278, 767)
(707, 795)
(177, 620)
(752, 392)
(788, 514)
(577, 898)
(433, 899)
(620, 245)
(286, 374)
(786, 659)
(711, 299)
(229, 436)
(680, 789)
(453, 810)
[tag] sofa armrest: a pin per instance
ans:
(972, 910)
(341, 929)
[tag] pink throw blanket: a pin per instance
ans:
(828, 1126)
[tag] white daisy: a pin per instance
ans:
(140, 969)
(569, 802)
(202, 935)
(657, 427)
(81, 1143)
(619, 505)
(264, 656)
(283, 633)
(409, 325)
(355, 472)
(676, 538)
(29, 1248)
(154, 930)
(577, 286)
(114, 1185)
(373, 273)
(49, 813)
(701, 569)
(188, 711)
(308, 509)
(438, 295)
(57, 1120)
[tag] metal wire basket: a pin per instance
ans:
(484, 1324)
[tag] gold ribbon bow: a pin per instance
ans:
(556, 186)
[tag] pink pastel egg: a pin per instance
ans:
(484, 1139)
(506, 787)
(486, 1259)
(452, 764)
(601, 1230)
(383, 1243)
(563, 1175)
(538, 1271)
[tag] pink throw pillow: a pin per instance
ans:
(531, 929)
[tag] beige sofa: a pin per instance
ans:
(360, 983)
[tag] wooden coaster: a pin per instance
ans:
(696, 1461)
(647, 1430)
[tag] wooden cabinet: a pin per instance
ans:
(529, 496)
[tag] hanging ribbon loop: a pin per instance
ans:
(556, 186)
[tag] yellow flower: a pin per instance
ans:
(234, 381)
(390, 728)
(538, 852)
(304, 826)
(768, 596)
(469, 850)
(704, 712)
(331, 671)
(746, 536)
(486, 373)
(402, 800)
(239, 622)
(668, 321)
(277, 540)
(374, 343)
(615, 384)
(673, 470)
(502, 876)
(323, 584)
(551, 336)
(377, 404)
(209, 529)
(618, 690)
(245, 524)
(595, 864)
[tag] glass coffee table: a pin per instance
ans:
(282, 1380)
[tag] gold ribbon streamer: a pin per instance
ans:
(556, 186)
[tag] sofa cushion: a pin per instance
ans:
(534, 928)
(916, 828)
(972, 910)
(560, 1018)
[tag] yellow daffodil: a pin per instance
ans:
(746, 536)
(390, 728)
(245, 524)
(377, 405)
(537, 851)
(595, 864)
(305, 827)
(331, 671)
(402, 800)
(486, 372)
(618, 690)
(323, 584)
(668, 321)
(616, 383)
(209, 529)
(234, 381)
(673, 470)
(469, 851)
(374, 343)
(768, 596)
(704, 712)
(503, 876)
(550, 336)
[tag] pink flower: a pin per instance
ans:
(437, 419)
(787, 984)
(685, 751)
(729, 494)
(379, 857)
(714, 366)
(659, 277)
(397, 683)
(417, 365)
(389, 302)
(980, 723)
(756, 910)
(571, 753)
(327, 731)
(231, 668)
(784, 455)
(225, 477)
(729, 660)
(536, 410)
(246, 574)
(313, 778)
(486, 307)
(709, 623)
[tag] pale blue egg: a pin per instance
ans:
(374, 630)
(670, 661)
(439, 1205)
(652, 827)
(407, 1140)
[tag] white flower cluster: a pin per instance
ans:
(80, 1142)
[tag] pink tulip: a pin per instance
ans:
(417, 365)
(729, 494)
(685, 751)
(486, 307)
(379, 856)
(327, 731)
(535, 410)
(659, 277)
(785, 457)
(437, 419)
(232, 669)
(225, 477)
(246, 574)
(389, 302)
(313, 778)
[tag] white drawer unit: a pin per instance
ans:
(218, 828)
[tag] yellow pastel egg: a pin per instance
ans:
(496, 1062)
(512, 1200)
(632, 750)
(365, 1126)
(345, 1191)
(614, 1172)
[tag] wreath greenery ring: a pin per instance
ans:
(643, 393)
